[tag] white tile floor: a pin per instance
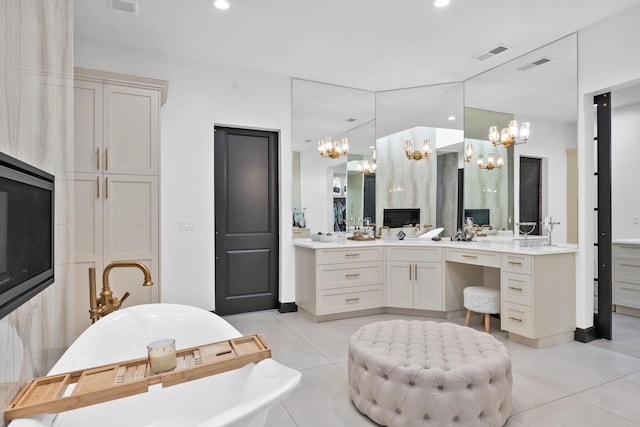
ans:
(572, 384)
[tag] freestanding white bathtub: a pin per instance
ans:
(241, 397)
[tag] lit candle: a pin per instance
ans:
(162, 355)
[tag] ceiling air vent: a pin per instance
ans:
(534, 64)
(130, 6)
(492, 52)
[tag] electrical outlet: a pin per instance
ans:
(186, 225)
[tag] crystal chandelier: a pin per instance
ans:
(333, 149)
(491, 162)
(417, 154)
(511, 135)
(367, 166)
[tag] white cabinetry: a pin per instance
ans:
(116, 184)
(414, 278)
(331, 281)
(538, 297)
(626, 278)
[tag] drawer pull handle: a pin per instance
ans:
(351, 299)
(515, 263)
(352, 275)
(515, 319)
(515, 289)
(351, 254)
(469, 256)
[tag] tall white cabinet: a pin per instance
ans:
(116, 184)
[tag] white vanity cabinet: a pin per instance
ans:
(414, 278)
(626, 277)
(339, 280)
(538, 297)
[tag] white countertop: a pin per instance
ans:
(627, 241)
(490, 243)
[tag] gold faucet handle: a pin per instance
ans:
(124, 297)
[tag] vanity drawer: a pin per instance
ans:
(395, 253)
(626, 251)
(332, 256)
(516, 288)
(353, 274)
(626, 270)
(626, 294)
(516, 318)
(516, 263)
(484, 258)
(350, 299)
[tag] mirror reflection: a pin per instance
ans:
(464, 174)
(540, 88)
(330, 190)
(418, 138)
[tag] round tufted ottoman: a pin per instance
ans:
(414, 373)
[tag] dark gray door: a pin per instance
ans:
(246, 223)
(530, 192)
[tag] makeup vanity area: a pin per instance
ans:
(434, 154)
(425, 277)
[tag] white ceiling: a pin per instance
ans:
(366, 44)
(371, 45)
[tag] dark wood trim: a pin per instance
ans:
(603, 319)
(585, 335)
(287, 307)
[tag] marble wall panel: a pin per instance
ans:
(36, 126)
(404, 183)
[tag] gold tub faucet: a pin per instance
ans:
(107, 303)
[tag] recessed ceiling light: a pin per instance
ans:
(451, 118)
(221, 4)
(441, 3)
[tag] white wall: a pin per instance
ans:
(549, 141)
(316, 178)
(608, 57)
(200, 97)
(625, 182)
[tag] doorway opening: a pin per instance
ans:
(531, 192)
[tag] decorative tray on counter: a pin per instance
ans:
(71, 390)
(361, 238)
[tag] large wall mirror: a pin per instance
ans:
(331, 191)
(541, 88)
(409, 117)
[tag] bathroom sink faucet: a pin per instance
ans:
(107, 303)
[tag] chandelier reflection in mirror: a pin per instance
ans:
(491, 162)
(333, 149)
(417, 154)
(511, 135)
(468, 153)
(367, 166)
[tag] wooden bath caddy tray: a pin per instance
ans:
(58, 393)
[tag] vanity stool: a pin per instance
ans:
(415, 373)
(484, 300)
